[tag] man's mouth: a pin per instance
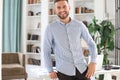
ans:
(62, 13)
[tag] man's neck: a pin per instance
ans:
(67, 20)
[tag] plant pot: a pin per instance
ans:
(99, 62)
(107, 67)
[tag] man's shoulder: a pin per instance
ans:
(53, 23)
(77, 21)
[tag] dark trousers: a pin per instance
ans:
(78, 76)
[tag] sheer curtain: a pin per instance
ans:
(11, 30)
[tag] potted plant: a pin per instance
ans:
(103, 34)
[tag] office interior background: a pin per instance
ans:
(35, 15)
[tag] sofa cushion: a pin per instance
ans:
(12, 69)
(9, 58)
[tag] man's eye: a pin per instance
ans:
(58, 7)
(64, 6)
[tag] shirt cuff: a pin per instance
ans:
(50, 70)
(94, 60)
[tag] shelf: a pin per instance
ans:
(31, 53)
(33, 41)
(84, 0)
(36, 4)
(52, 15)
(34, 33)
(84, 14)
(31, 66)
(34, 16)
(51, 3)
(34, 29)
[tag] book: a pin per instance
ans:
(34, 61)
(29, 47)
(35, 37)
(28, 36)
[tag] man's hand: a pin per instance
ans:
(53, 75)
(91, 69)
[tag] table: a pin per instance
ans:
(108, 73)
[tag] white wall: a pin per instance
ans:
(111, 10)
(100, 9)
(23, 33)
(111, 14)
(103, 10)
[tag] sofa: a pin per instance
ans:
(13, 66)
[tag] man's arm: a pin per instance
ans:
(90, 42)
(46, 49)
(92, 49)
(46, 52)
(91, 69)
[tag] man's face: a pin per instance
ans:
(62, 9)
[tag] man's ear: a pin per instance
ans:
(69, 7)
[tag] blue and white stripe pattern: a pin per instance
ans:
(66, 44)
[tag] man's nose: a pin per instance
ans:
(62, 9)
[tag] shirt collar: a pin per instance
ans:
(63, 22)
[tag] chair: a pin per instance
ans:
(13, 66)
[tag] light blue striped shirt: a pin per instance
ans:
(66, 44)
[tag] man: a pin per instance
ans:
(63, 36)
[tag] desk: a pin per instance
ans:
(108, 74)
(42, 74)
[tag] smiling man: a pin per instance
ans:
(63, 36)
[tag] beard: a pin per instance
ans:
(63, 16)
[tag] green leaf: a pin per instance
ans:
(106, 30)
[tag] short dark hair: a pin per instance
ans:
(59, 0)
